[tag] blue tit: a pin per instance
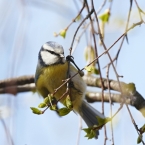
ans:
(51, 69)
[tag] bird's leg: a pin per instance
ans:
(71, 59)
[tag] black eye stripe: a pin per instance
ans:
(52, 52)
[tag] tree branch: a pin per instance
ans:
(132, 97)
(17, 81)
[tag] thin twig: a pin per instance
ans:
(9, 138)
(139, 10)
(128, 18)
(117, 76)
(85, 26)
(95, 45)
(79, 28)
(79, 130)
(101, 7)
(76, 16)
(77, 39)
(110, 101)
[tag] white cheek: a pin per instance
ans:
(49, 58)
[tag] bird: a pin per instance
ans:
(52, 70)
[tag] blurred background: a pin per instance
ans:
(25, 25)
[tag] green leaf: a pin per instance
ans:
(131, 87)
(89, 68)
(139, 139)
(142, 129)
(63, 111)
(63, 33)
(42, 105)
(48, 99)
(92, 69)
(105, 16)
(68, 102)
(78, 18)
(90, 133)
(102, 121)
(36, 110)
(96, 71)
(87, 130)
(53, 107)
(128, 89)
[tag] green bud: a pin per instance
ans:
(36, 111)
(105, 16)
(68, 103)
(42, 105)
(53, 107)
(139, 139)
(103, 121)
(90, 133)
(63, 111)
(78, 18)
(142, 129)
(96, 71)
(63, 33)
(89, 68)
(46, 100)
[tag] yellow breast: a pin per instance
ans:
(51, 78)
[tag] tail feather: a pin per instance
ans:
(89, 115)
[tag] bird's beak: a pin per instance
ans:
(62, 58)
(62, 55)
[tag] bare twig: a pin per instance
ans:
(110, 101)
(9, 138)
(95, 45)
(128, 18)
(79, 130)
(139, 10)
(117, 76)
(77, 39)
(79, 28)
(76, 16)
(101, 7)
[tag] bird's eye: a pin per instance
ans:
(51, 52)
